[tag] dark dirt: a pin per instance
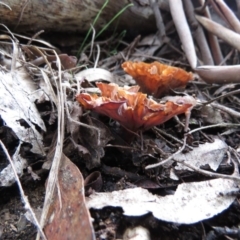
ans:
(110, 223)
(13, 224)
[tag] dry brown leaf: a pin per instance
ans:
(157, 78)
(132, 109)
(69, 219)
(38, 56)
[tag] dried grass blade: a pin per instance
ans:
(52, 180)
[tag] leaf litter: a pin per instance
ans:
(86, 138)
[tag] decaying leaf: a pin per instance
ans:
(192, 202)
(206, 154)
(17, 106)
(69, 217)
(93, 142)
(157, 78)
(132, 109)
(7, 176)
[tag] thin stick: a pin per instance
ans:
(219, 97)
(35, 36)
(159, 21)
(215, 125)
(226, 109)
(169, 158)
(196, 169)
(170, 136)
(207, 173)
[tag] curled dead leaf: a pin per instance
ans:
(132, 109)
(157, 78)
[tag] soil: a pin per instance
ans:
(110, 223)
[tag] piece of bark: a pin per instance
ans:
(75, 15)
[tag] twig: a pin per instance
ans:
(169, 158)
(222, 96)
(159, 21)
(207, 173)
(219, 12)
(213, 126)
(24, 198)
(131, 47)
(202, 8)
(196, 169)
(228, 56)
(157, 130)
(226, 109)
(235, 154)
(34, 36)
(158, 150)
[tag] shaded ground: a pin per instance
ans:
(110, 223)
